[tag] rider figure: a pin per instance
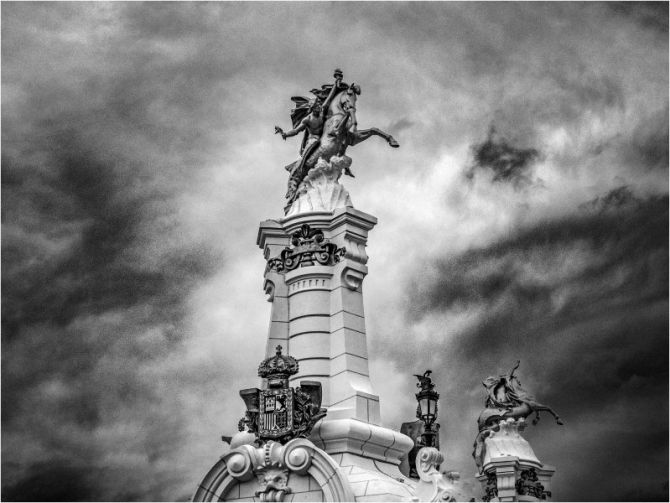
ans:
(313, 124)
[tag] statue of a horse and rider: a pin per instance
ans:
(330, 126)
(506, 399)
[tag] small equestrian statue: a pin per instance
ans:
(506, 399)
(330, 126)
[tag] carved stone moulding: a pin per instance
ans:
(352, 277)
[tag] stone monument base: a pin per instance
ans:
(511, 471)
(301, 471)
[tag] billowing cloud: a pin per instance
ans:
(138, 157)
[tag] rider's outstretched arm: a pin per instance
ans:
(295, 131)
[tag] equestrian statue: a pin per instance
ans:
(329, 124)
(506, 399)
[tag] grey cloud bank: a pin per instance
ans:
(138, 158)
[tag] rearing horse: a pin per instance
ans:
(339, 132)
(507, 399)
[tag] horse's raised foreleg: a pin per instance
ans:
(537, 417)
(363, 134)
(537, 408)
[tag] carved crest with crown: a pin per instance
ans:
(279, 412)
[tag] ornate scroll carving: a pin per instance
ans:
(271, 465)
(308, 247)
(352, 278)
(269, 288)
(433, 486)
(299, 456)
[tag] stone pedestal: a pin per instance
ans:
(316, 264)
(317, 310)
(511, 470)
(318, 317)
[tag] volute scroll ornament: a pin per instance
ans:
(433, 485)
(271, 464)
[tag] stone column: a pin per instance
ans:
(318, 316)
(317, 311)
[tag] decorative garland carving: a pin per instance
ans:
(529, 485)
(491, 489)
(308, 246)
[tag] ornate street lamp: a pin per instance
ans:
(426, 411)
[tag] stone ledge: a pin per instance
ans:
(362, 439)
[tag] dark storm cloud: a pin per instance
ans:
(582, 301)
(93, 276)
(648, 145)
(616, 198)
(96, 265)
(627, 237)
(505, 162)
(649, 14)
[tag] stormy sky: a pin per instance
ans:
(525, 216)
